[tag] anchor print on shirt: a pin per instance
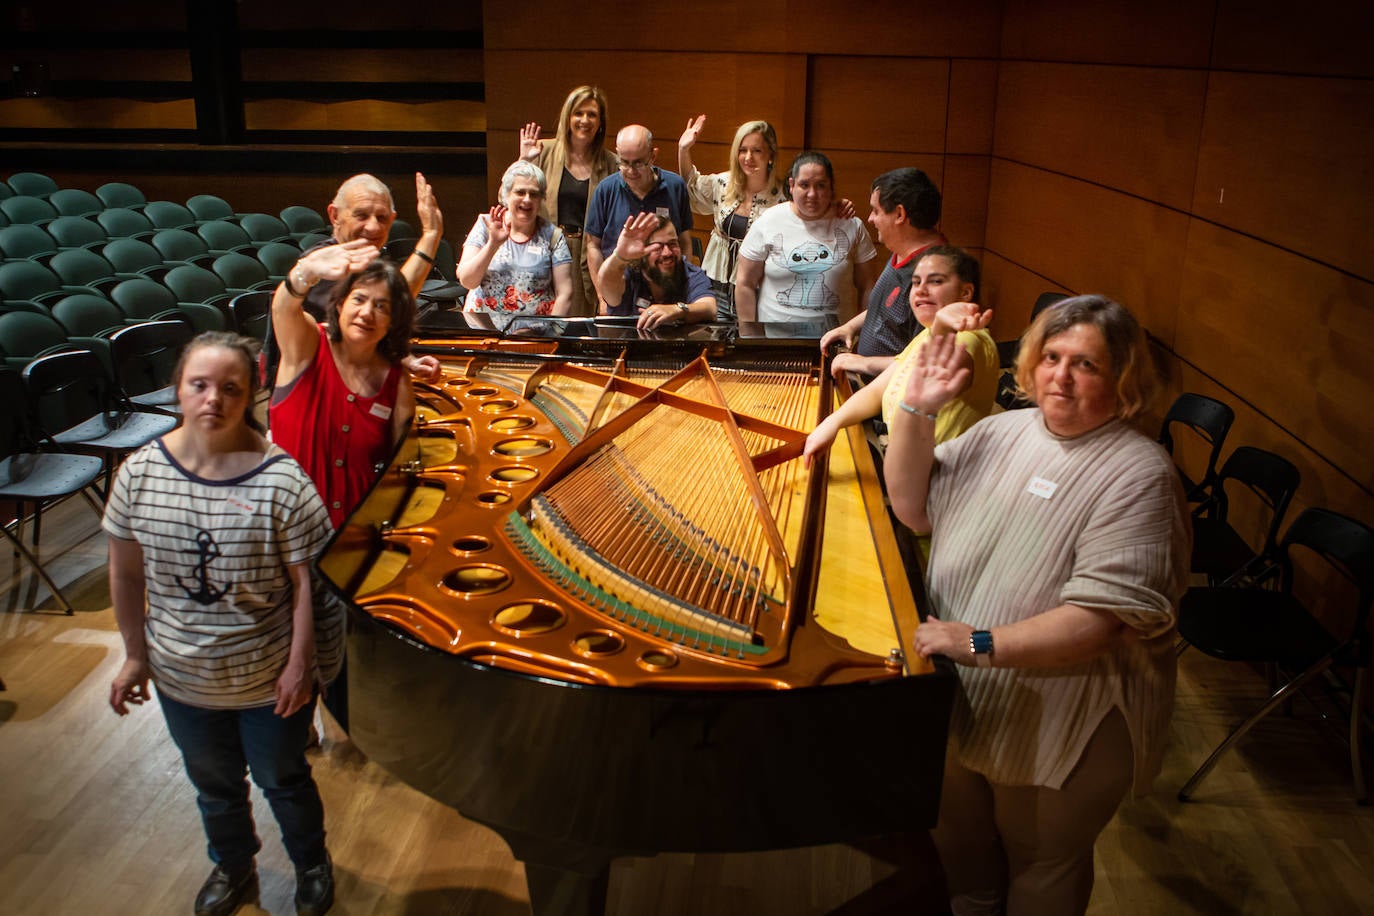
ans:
(808, 263)
(207, 550)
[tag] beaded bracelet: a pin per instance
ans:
(920, 413)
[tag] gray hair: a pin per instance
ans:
(370, 184)
(520, 168)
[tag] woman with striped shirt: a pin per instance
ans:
(1059, 551)
(212, 529)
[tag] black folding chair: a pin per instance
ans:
(1259, 625)
(1210, 419)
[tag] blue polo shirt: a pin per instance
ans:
(614, 202)
(637, 288)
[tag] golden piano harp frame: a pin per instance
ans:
(441, 549)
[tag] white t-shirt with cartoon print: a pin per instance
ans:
(808, 265)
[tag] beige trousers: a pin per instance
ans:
(1025, 850)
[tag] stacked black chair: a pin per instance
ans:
(1211, 420)
(1274, 627)
(76, 408)
(29, 477)
(1219, 551)
(144, 356)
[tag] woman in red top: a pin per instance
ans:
(342, 400)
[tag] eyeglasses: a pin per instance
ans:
(635, 166)
(671, 245)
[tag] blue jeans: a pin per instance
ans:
(218, 746)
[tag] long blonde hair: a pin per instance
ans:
(575, 98)
(738, 185)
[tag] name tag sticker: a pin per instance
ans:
(661, 211)
(641, 303)
(240, 503)
(1041, 487)
(380, 411)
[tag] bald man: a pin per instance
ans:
(638, 186)
(363, 208)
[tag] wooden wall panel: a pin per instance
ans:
(882, 27)
(1166, 33)
(972, 106)
(877, 103)
(1292, 337)
(1323, 484)
(1090, 239)
(361, 15)
(640, 88)
(373, 64)
(965, 200)
(1286, 159)
(1129, 128)
(97, 114)
(364, 115)
(171, 64)
(1010, 290)
(1327, 37)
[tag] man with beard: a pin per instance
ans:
(638, 186)
(646, 275)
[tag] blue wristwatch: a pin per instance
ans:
(980, 644)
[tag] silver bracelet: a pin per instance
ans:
(920, 413)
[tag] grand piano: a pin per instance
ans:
(599, 604)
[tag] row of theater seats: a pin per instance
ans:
(1248, 610)
(114, 258)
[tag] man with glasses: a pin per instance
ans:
(646, 275)
(638, 187)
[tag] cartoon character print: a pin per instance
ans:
(808, 262)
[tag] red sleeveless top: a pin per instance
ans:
(342, 439)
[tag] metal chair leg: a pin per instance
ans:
(1277, 698)
(33, 561)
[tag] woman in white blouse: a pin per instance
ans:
(733, 199)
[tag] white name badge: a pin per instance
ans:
(380, 411)
(240, 503)
(641, 304)
(1041, 487)
(661, 212)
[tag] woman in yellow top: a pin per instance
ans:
(944, 285)
(574, 162)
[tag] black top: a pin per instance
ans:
(572, 201)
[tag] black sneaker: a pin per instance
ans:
(224, 892)
(315, 889)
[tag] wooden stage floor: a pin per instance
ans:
(97, 816)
